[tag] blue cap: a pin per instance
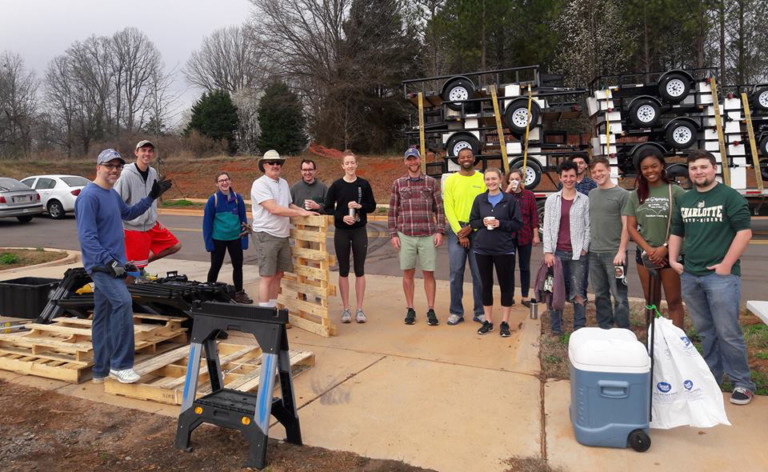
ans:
(108, 155)
(412, 152)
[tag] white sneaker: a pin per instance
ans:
(360, 317)
(346, 317)
(126, 376)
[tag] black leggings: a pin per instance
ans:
(505, 272)
(355, 240)
(217, 259)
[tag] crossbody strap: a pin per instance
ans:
(669, 219)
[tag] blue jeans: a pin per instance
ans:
(112, 329)
(604, 283)
(713, 304)
(573, 274)
(457, 257)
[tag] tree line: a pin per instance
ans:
(332, 69)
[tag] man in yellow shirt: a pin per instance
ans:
(459, 193)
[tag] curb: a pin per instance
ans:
(71, 258)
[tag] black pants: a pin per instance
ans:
(505, 272)
(524, 261)
(356, 241)
(217, 259)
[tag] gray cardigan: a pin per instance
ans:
(579, 223)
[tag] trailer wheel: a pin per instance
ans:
(456, 91)
(644, 113)
(760, 99)
(764, 168)
(459, 141)
(680, 134)
(516, 115)
(540, 206)
(678, 173)
(638, 151)
(763, 149)
(639, 440)
(674, 88)
(532, 176)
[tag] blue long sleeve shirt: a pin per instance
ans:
(98, 214)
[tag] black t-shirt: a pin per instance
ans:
(144, 174)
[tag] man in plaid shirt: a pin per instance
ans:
(416, 223)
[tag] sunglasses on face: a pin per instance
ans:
(273, 163)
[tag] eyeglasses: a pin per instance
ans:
(223, 180)
(273, 163)
(113, 166)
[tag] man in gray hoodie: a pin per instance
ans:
(146, 240)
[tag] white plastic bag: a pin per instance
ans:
(685, 392)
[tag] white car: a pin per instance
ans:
(57, 192)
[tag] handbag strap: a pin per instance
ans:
(669, 218)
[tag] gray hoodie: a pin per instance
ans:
(132, 188)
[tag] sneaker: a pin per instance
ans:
(410, 316)
(346, 317)
(126, 376)
(741, 396)
(504, 329)
(99, 380)
(486, 328)
(453, 320)
(525, 303)
(360, 317)
(242, 297)
(432, 318)
(478, 318)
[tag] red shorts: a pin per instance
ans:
(138, 244)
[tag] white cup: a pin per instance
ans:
(306, 204)
(488, 219)
(514, 184)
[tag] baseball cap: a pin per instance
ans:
(412, 152)
(143, 143)
(108, 155)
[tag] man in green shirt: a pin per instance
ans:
(712, 225)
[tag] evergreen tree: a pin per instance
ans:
(215, 116)
(281, 120)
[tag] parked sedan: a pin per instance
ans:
(17, 199)
(58, 192)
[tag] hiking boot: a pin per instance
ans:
(478, 318)
(486, 328)
(432, 318)
(410, 317)
(126, 376)
(242, 297)
(346, 317)
(453, 320)
(360, 317)
(741, 396)
(504, 330)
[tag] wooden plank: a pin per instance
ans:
(295, 286)
(311, 254)
(311, 272)
(72, 373)
(287, 299)
(313, 236)
(320, 221)
(310, 326)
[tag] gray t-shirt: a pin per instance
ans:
(303, 191)
(605, 218)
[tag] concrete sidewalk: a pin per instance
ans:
(446, 398)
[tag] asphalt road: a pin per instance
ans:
(382, 258)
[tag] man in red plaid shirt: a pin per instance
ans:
(416, 223)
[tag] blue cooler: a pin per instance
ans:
(610, 388)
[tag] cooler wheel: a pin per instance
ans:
(639, 440)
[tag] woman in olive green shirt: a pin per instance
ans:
(648, 211)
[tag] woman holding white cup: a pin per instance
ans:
(496, 217)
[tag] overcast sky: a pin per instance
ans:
(39, 30)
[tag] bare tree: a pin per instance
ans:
(18, 106)
(60, 99)
(228, 60)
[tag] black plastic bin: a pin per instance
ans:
(25, 297)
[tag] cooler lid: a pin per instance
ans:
(615, 350)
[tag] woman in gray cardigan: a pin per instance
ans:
(566, 237)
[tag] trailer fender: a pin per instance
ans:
(639, 148)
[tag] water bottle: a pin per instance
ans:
(534, 309)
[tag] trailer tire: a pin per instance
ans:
(644, 113)
(532, 176)
(516, 115)
(678, 173)
(763, 147)
(764, 168)
(638, 151)
(760, 99)
(674, 88)
(456, 91)
(540, 208)
(459, 141)
(680, 134)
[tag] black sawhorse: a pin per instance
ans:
(246, 412)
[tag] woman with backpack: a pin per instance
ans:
(225, 228)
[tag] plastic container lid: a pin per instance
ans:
(614, 350)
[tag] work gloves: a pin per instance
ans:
(115, 269)
(159, 188)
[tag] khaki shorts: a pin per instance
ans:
(417, 249)
(273, 254)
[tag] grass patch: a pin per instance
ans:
(181, 203)
(14, 258)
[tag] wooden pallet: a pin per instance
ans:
(305, 292)
(163, 376)
(63, 350)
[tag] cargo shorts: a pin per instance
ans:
(273, 254)
(419, 250)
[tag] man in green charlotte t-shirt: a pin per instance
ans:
(712, 224)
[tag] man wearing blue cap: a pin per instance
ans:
(99, 212)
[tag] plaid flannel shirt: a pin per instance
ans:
(526, 201)
(415, 207)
